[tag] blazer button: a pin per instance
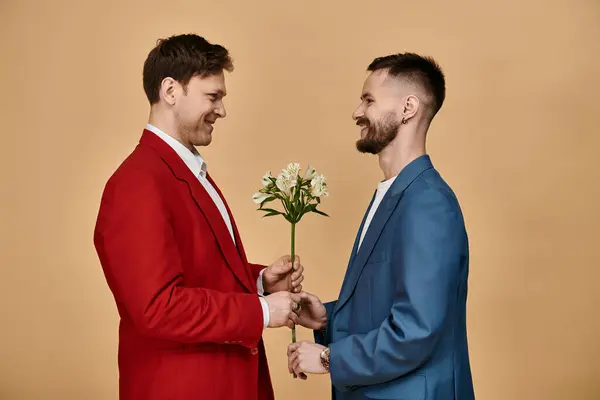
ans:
(254, 351)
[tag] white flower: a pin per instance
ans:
(266, 181)
(292, 171)
(310, 173)
(285, 184)
(258, 197)
(319, 186)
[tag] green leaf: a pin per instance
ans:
(265, 201)
(271, 214)
(288, 218)
(310, 207)
(279, 195)
(319, 212)
(270, 210)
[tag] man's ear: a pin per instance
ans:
(168, 89)
(410, 107)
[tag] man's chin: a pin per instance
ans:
(366, 146)
(203, 140)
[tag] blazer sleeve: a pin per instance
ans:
(430, 241)
(320, 335)
(255, 269)
(140, 257)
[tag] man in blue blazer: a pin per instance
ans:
(398, 329)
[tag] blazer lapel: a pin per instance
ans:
(348, 276)
(379, 221)
(206, 206)
(236, 233)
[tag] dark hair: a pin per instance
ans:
(423, 71)
(182, 57)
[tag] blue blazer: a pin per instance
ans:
(398, 328)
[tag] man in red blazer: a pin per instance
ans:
(192, 307)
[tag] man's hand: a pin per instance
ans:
(305, 358)
(281, 308)
(312, 313)
(277, 278)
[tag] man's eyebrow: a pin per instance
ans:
(218, 92)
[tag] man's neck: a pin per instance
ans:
(167, 124)
(401, 152)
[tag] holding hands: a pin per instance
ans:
(284, 283)
(312, 313)
(289, 306)
(277, 278)
(307, 357)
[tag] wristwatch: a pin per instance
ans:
(325, 358)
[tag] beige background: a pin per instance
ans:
(515, 139)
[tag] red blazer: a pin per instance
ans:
(191, 322)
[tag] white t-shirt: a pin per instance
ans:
(382, 189)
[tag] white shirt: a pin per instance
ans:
(382, 189)
(198, 166)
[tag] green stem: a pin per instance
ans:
(293, 259)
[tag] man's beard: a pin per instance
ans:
(379, 134)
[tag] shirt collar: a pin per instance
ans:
(384, 185)
(192, 159)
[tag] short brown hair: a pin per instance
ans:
(423, 71)
(182, 57)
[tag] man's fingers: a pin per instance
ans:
(294, 318)
(290, 322)
(287, 260)
(285, 267)
(291, 358)
(298, 271)
(297, 281)
(296, 366)
(296, 297)
(308, 298)
(292, 347)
